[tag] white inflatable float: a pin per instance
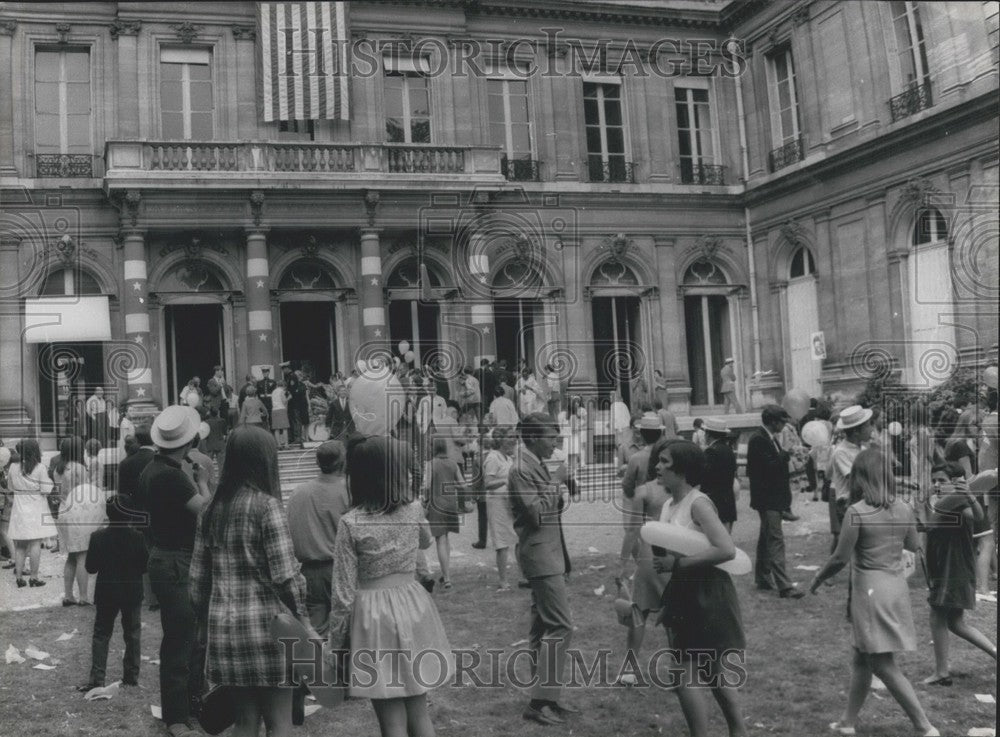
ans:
(682, 541)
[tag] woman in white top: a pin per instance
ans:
(279, 414)
(30, 486)
(496, 469)
(527, 393)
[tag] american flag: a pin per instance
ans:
(303, 61)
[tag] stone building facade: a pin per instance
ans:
(634, 192)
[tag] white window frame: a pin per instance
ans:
(778, 136)
(505, 80)
(408, 68)
(699, 84)
(64, 95)
(187, 58)
(937, 237)
(602, 124)
(916, 45)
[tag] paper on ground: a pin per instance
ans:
(311, 709)
(13, 655)
(155, 711)
(102, 692)
(518, 643)
(67, 636)
(596, 568)
(983, 732)
(35, 654)
(986, 597)
(154, 662)
(592, 549)
(986, 698)
(807, 568)
(599, 591)
(877, 683)
(43, 666)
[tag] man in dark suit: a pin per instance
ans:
(537, 503)
(770, 495)
(264, 388)
(487, 382)
(338, 416)
(720, 470)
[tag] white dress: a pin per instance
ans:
(30, 518)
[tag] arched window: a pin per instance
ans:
(407, 275)
(802, 264)
(517, 274)
(613, 273)
(704, 272)
(191, 276)
(306, 273)
(70, 282)
(930, 227)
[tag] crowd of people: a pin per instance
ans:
(220, 554)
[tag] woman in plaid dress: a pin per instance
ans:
(243, 572)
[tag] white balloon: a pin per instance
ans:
(4, 457)
(990, 377)
(404, 346)
(376, 403)
(816, 432)
(409, 356)
(193, 400)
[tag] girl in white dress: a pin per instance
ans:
(30, 519)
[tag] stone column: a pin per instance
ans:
(14, 418)
(578, 336)
(7, 29)
(126, 33)
(135, 302)
(481, 311)
(374, 334)
(260, 332)
(671, 326)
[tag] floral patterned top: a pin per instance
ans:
(369, 546)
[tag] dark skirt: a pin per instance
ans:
(441, 521)
(702, 612)
(951, 567)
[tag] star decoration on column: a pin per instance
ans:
(136, 286)
(374, 281)
(482, 279)
(486, 330)
(140, 392)
(138, 339)
(263, 337)
(260, 283)
(378, 333)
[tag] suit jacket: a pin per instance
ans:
(340, 421)
(720, 472)
(767, 470)
(487, 384)
(537, 508)
(728, 377)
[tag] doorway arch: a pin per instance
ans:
(709, 318)
(309, 291)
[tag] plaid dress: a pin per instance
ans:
(234, 584)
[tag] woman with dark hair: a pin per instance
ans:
(700, 608)
(81, 511)
(876, 531)
(378, 608)
(496, 470)
(29, 485)
(243, 572)
(442, 502)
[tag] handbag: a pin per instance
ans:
(334, 688)
(217, 712)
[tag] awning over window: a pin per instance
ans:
(66, 319)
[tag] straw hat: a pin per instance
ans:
(649, 422)
(853, 416)
(175, 427)
(712, 424)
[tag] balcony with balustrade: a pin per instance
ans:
(912, 100)
(785, 155)
(306, 164)
(708, 174)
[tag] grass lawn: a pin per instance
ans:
(797, 661)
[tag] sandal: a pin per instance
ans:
(8, 565)
(937, 681)
(84, 602)
(446, 585)
(69, 602)
(21, 583)
(34, 582)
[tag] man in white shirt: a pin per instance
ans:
(96, 408)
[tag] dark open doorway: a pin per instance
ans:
(194, 345)
(617, 345)
(309, 336)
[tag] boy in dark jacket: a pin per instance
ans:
(117, 554)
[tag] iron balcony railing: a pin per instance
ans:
(520, 170)
(787, 154)
(911, 101)
(64, 165)
(612, 170)
(703, 174)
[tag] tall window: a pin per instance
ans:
(694, 129)
(991, 12)
(510, 124)
(602, 109)
(802, 264)
(62, 102)
(186, 100)
(931, 227)
(909, 42)
(297, 130)
(784, 97)
(407, 101)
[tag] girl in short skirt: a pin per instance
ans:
(384, 616)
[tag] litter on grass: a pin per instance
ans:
(67, 636)
(35, 653)
(807, 568)
(985, 698)
(983, 732)
(311, 709)
(13, 655)
(102, 693)
(155, 711)
(44, 666)
(599, 591)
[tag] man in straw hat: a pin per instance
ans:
(728, 388)
(650, 430)
(172, 501)
(855, 423)
(720, 470)
(770, 495)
